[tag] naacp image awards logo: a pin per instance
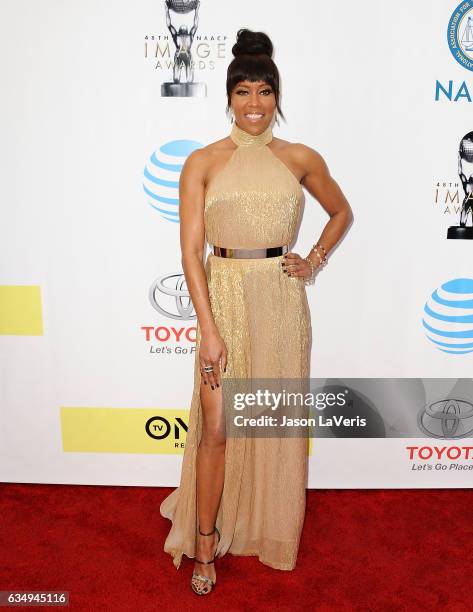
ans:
(460, 34)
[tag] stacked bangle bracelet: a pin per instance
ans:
(322, 259)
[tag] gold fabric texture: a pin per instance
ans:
(263, 317)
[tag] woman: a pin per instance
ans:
(243, 193)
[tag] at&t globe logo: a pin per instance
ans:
(161, 177)
(448, 317)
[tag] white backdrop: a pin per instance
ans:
(81, 116)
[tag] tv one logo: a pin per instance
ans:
(161, 428)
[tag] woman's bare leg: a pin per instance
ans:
(210, 474)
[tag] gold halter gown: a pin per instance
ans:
(263, 317)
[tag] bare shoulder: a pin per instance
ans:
(306, 159)
(201, 160)
(306, 156)
(216, 149)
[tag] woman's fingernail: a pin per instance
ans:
(205, 382)
(212, 387)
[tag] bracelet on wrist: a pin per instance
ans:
(319, 246)
(323, 257)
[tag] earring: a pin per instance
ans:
(277, 118)
(230, 114)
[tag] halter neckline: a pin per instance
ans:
(243, 138)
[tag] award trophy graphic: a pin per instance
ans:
(465, 156)
(183, 62)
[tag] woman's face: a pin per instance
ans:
(253, 105)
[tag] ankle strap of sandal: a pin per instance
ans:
(207, 534)
(204, 562)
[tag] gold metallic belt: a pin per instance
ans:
(250, 253)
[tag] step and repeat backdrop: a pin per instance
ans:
(97, 329)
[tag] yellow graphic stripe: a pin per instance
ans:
(124, 430)
(20, 310)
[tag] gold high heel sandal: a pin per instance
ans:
(209, 584)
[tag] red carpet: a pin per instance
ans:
(361, 550)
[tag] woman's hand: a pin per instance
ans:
(295, 265)
(213, 352)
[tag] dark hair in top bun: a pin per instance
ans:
(252, 43)
(253, 62)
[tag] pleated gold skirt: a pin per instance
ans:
(264, 319)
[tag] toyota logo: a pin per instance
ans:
(447, 419)
(170, 297)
